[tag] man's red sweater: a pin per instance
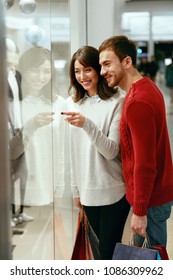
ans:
(145, 147)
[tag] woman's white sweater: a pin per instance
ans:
(96, 172)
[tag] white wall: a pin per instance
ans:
(92, 21)
(77, 9)
(100, 21)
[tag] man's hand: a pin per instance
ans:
(139, 224)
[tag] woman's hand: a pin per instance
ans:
(74, 118)
(77, 202)
(43, 119)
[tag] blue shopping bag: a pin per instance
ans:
(131, 252)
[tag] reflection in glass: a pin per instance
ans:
(46, 29)
(27, 6)
(45, 149)
(17, 154)
(9, 3)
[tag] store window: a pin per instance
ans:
(38, 43)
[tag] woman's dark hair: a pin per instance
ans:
(34, 57)
(88, 56)
(121, 46)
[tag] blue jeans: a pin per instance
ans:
(157, 225)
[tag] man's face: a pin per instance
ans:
(111, 68)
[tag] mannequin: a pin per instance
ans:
(18, 165)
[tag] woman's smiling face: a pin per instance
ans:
(86, 76)
(38, 77)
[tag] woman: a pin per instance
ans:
(45, 150)
(93, 112)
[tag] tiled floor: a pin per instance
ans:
(51, 234)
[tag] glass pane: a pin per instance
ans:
(38, 38)
(63, 214)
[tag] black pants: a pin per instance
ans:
(19, 172)
(108, 223)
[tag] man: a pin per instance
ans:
(146, 154)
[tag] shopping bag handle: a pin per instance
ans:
(146, 242)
